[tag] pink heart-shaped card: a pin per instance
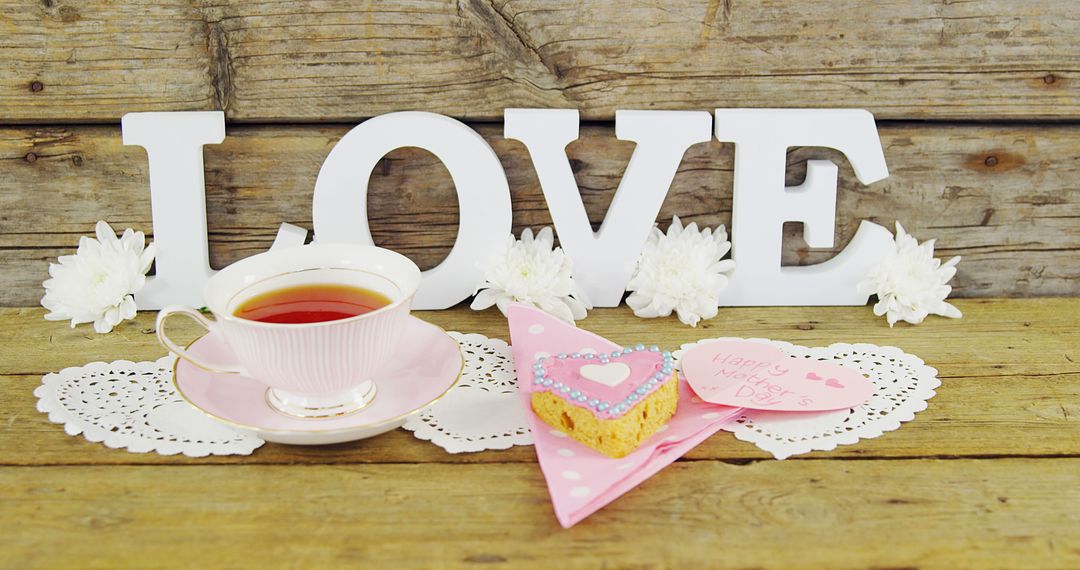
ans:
(761, 377)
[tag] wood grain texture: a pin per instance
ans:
(987, 476)
(1009, 369)
(68, 61)
(313, 61)
(806, 514)
(1003, 197)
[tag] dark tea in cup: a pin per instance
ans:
(311, 303)
(312, 322)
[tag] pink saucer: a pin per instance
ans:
(423, 369)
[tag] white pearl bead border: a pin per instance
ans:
(597, 406)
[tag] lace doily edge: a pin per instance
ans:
(926, 387)
(423, 431)
(477, 337)
(73, 426)
(451, 445)
(784, 450)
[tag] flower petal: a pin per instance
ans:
(484, 299)
(949, 310)
(104, 232)
(909, 282)
(681, 271)
(97, 284)
(531, 270)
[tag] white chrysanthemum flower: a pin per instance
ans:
(99, 282)
(681, 271)
(532, 271)
(909, 283)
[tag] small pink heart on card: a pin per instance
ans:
(761, 377)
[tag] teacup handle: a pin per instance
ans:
(183, 352)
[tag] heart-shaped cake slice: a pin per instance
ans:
(609, 401)
(608, 384)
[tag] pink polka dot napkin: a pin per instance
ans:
(580, 480)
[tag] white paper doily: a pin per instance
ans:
(904, 383)
(483, 410)
(134, 405)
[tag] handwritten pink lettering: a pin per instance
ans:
(758, 376)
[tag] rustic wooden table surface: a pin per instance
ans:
(987, 476)
(977, 106)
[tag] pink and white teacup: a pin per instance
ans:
(313, 370)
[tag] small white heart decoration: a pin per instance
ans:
(611, 374)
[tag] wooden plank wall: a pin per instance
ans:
(977, 105)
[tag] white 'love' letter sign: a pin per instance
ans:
(339, 208)
(762, 203)
(173, 143)
(603, 261)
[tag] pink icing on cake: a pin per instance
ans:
(601, 383)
